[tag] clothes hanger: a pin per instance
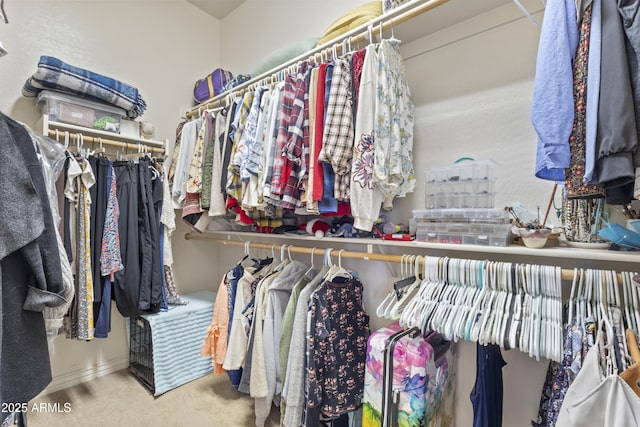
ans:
(384, 308)
(439, 273)
(410, 314)
(3, 14)
(554, 325)
(478, 332)
(312, 266)
(329, 263)
(459, 287)
(340, 273)
(634, 295)
(457, 313)
(580, 303)
(610, 336)
(515, 309)
(440, 303)
(431, 317)
(589, 321)
(558, 314)
(466, 300)
(100, 149)
(628, 300)
(500, 317)
(505, 305)
(472, 328)
(526, 308)
(398, 288)
(451, 326)
(527, 14)
(615, 314)
(545, 312)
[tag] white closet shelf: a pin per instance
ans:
(602, 256)
(408, 22)
(50, 125)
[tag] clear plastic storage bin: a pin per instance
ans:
(78, 111)
(461, 185)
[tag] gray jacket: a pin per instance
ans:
(617, 134)
(30, 272)
(293, 390)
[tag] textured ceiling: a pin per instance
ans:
(217, 8)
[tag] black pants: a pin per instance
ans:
(149, 232)
(98, 193)
(126, 286)
(144, 234)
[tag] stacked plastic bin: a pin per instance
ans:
(460, 207)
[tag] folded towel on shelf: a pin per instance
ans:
(55, 74)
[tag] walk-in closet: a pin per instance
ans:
(356, 213)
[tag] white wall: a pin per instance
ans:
(257, 28)
(160, 47)
(472, 86)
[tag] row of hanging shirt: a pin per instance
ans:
(109, 217)
(325, 135)
(585, 97)
(289, 334)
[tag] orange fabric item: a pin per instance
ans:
(632, 374)
(215, 342)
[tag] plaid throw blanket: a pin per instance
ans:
(57, 75)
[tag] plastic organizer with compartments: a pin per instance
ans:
(480, 226)
(465, 184)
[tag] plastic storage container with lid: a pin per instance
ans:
(465, 184)
(78, 111)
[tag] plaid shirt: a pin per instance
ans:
(297, 147)
(281, 166)
(338, 138)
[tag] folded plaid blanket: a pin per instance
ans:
(57, 75)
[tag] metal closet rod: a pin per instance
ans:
(383, 22)
(109, 142)
(567, 274)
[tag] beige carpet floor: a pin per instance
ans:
(119, 400)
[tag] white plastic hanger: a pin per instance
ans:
(610, 335)
(628, 303)
(516, 309)
(474, 320)
(335, 273)
(471, 292)
(409, 291)
(505, 306)
(486, 306)
(634, 295)
(526, 308)
(527, 14)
